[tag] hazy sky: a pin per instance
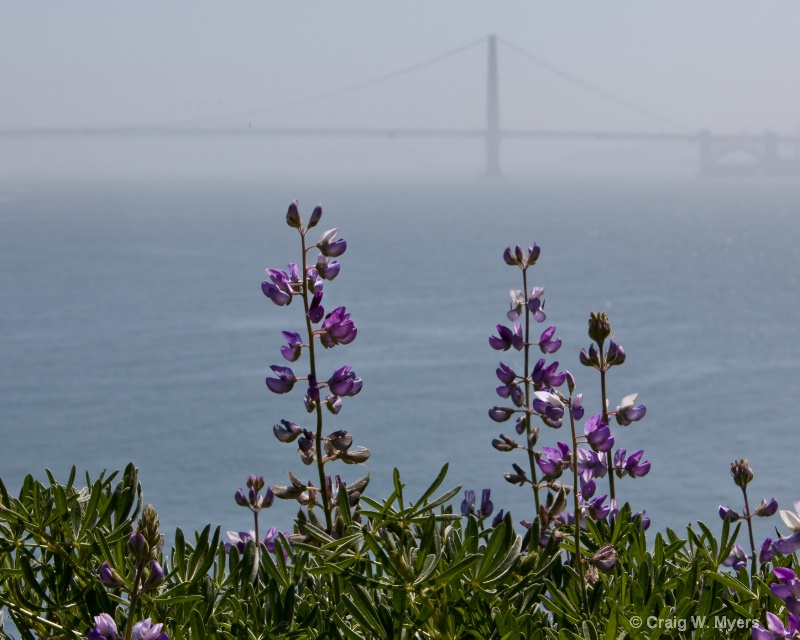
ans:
(725, 65)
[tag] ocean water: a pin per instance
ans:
(133, 328)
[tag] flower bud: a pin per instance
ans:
(155, 578)
(599, 327)
(615, 354)
(240, 499)
(766, 509)
(293, 216)
(741, 472)
(138, 546)
(504, 444)
(109, 577)
(509, 258)
(315, 216)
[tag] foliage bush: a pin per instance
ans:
(87, 559)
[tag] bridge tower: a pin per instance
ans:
(492, 113)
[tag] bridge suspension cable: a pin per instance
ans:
(591, 88)
(353, 87)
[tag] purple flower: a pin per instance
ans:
(326, 268)
(591, 464)
(615, 354)
(737, 558)
(726, 512)
(789, 591)
(766, 552)
(498, 518)
(590, 359)
(500, 414)
(334, 403)
(505, 374)
(286, 431)
(786, 546)
(146, 630)
(546, 376)
(315, 310)
(315, 216)
(627, 413)
(138, 546)
(155, 578)
(549, 407)
(536, 304)
(338, 328)
(508, 338)
(109, 577)
(104, 628)
(766, 509)
(291, 350)
(632, 466)
(597, 510)
(576, 407)
(279, 290)
(331, 247)
(293, 216)
(598, 434)
(312, 395)
(588, 487)
(284, 382)
(605, 558)
(468, 503)
(344, 382)
(546, 342)
(775, 629)
(553, 461)
(240, 539)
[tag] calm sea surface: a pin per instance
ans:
(133, 328)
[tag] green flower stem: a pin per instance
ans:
(318, 403)
(604, 405)
(531, 454)
(577, 519)
(137, 578)
(749, 517)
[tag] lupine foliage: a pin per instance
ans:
(86, 560)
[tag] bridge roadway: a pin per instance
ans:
(714, 150)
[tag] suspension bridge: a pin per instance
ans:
(765, 154)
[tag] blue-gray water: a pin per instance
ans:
(133, 328)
